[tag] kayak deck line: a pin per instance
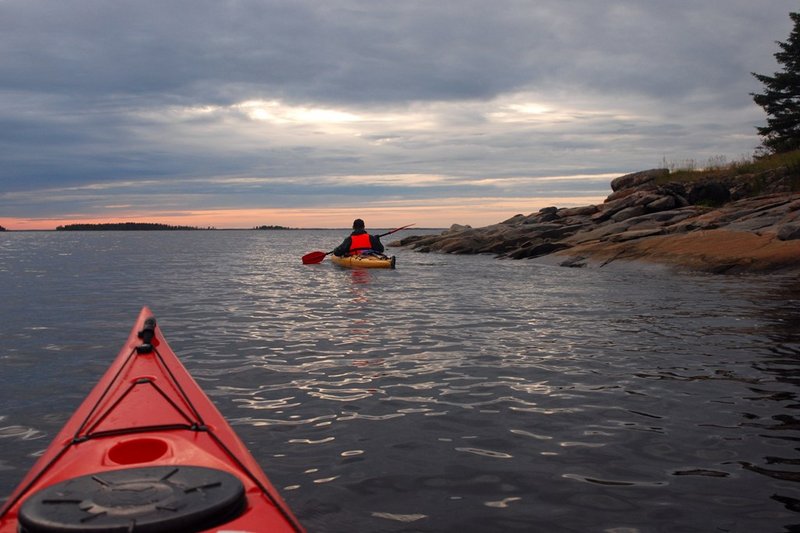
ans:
(147, 414)
(364, 261)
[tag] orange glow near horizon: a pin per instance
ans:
(435, 214)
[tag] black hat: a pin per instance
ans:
(358, 224)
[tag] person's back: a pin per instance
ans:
(359, 241)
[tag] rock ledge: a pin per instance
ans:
(734, 224)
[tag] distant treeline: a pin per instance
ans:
(2, 228)
(271, 227)
(124, 226)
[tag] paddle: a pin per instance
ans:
(394, 230)
(316, 257)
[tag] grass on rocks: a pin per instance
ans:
(785, 164)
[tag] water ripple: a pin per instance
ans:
(451, 393)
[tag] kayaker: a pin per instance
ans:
(359, 241)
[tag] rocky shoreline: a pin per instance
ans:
(721, 224)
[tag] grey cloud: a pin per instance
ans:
(85, 84)
(372, 52)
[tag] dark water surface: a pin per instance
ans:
(456, 393)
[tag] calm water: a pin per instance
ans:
(453, 394)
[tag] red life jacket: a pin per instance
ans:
(360, 242)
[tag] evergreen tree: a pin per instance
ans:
(781, 97)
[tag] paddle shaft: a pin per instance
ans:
(394, 230)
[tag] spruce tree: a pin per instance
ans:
(781, 97)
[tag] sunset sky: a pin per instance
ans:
(309, 113)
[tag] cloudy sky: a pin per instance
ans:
(308, 113)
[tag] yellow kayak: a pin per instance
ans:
(364, 261)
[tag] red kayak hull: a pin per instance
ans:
(147, 412)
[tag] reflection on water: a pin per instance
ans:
(451, 393)
(360, 276)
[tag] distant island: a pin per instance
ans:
(2, 228)
(271, 227)
(125, 226)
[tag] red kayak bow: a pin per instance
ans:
(146, 451)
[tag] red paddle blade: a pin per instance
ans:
(313, 258)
